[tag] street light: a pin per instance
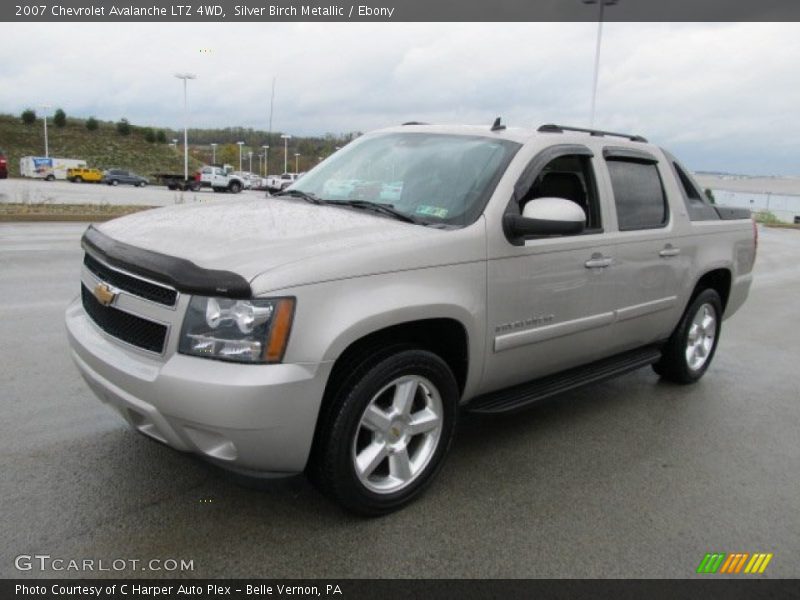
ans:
(296, 162)
(186, 77)
(214, 154)
(266, 160)
(240, 144)
(603, 4)
(250, 156)
(285, 139)
(46, 146)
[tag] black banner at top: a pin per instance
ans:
(398, 10)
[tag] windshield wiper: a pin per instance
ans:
(308, 197)
(386, 209)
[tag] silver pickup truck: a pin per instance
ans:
(339, 328)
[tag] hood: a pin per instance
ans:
(251, 237)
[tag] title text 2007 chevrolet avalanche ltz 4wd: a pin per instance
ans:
(339, 327)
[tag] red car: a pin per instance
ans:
(3, 165)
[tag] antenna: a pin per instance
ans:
(497, 126)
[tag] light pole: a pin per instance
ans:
(296, 162)
(250, 156)
(266, 160)
(240, 144)
(46, 145)
(286, 139)
(213, 154)
(186, 77)
(603, 4)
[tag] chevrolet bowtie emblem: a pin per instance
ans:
(104, 293)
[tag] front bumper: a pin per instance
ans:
(255, 419)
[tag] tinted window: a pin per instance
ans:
(638, 194)
(696, 202)
(692, 193)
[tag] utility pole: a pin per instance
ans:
(46, 145)
(185, 77)
(603, 4)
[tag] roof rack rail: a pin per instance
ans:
(415, 123)
(550, 128)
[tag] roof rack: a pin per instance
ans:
(550, 128)
(415, 123)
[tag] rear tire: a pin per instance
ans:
(235, 187)
(77, 179)
(385, 437)
(690, 350)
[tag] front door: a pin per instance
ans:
(551, 300)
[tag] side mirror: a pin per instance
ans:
(546, 216)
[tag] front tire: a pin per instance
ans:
(689, 351)
(387, 433)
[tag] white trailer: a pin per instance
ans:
(48, 168)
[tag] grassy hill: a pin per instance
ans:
(105, 148)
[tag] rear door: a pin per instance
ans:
(649, 265)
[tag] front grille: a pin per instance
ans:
(129, 328)
(133, 285)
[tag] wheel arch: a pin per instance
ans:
(719, 280)
(446, 337)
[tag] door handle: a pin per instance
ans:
(669, 251)
(598, 261)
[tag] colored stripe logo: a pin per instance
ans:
(735, 563)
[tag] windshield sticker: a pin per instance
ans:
(431, 211)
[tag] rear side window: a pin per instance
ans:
(638, 194)
(695, 200)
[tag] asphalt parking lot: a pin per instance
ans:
(628, 478)
(36, 191)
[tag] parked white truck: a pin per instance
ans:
(223, 179)
(48, 168)
(472, 268)
(276, 183)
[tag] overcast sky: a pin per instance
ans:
(720, 96)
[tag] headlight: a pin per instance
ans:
(250, 331)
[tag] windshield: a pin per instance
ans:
(434, 178)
